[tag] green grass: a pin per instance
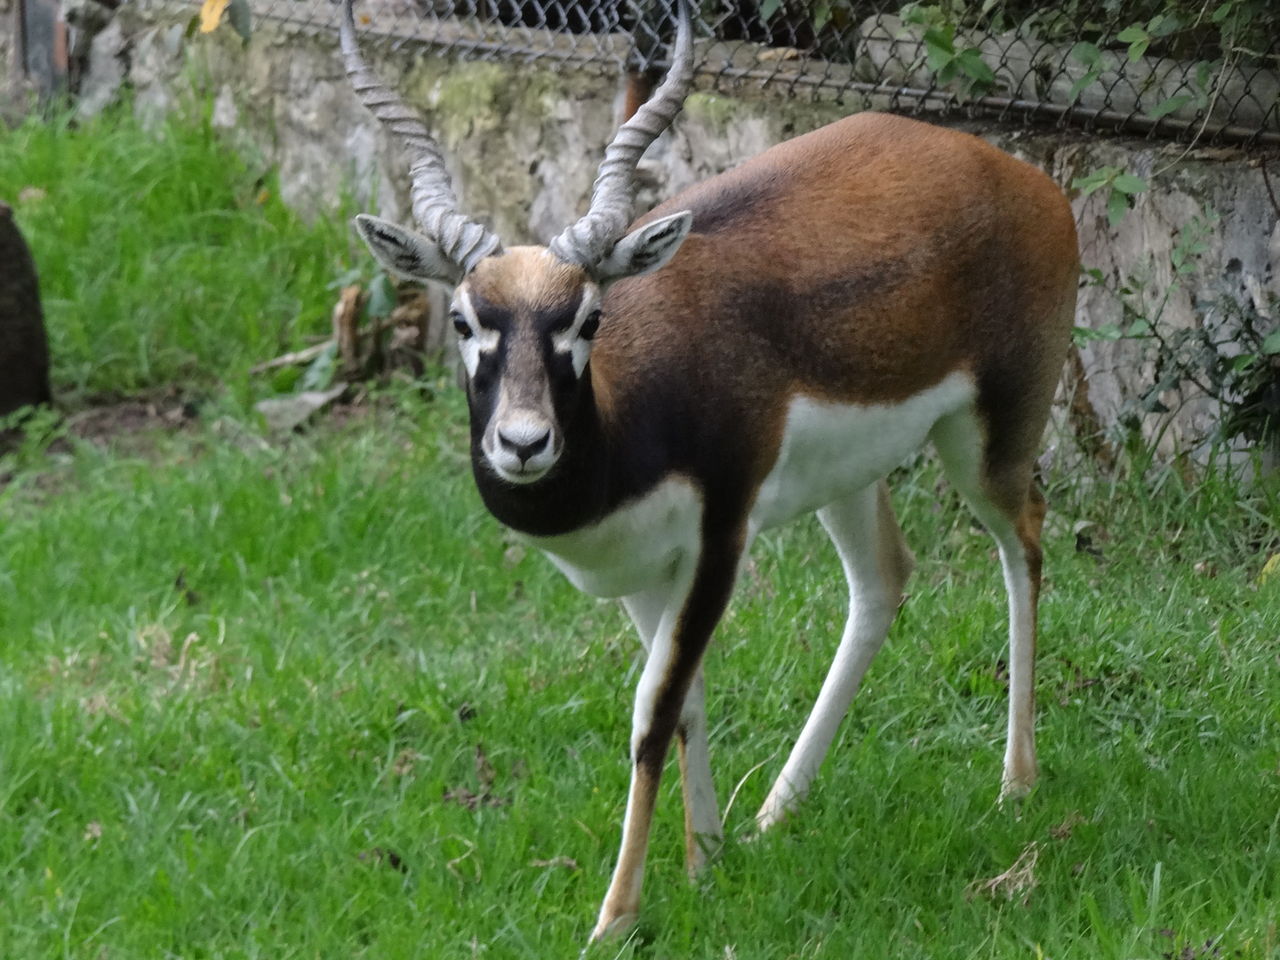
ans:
(164, 258)
(206, 769)
(299, 698)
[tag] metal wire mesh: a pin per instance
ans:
(1186, 69)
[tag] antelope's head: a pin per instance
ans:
(525, 316)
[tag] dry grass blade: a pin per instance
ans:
(293, 358)
(1063, 830)
(567, 862)
(346, 320)
(1016, 883)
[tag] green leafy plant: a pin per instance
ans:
(1090, 56)
(1139, 36)
(954, 63)
(1120, 188)
(1229, 356)
(1155, 57)
(769, 9)
(820, 12)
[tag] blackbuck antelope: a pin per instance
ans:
(646, 398)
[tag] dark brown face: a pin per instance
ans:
(525, 322)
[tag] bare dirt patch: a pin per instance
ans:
(131, 425)
(113, 419)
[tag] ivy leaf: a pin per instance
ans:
(971, 63)
(1243, 362)
(1271, 345)
(1091, 75)
(1164, 24)
(1128, 183)
(912, 13)
(1204, 73)
(939, 46)
(821, 15)
(1117, 207)
(1169, 106)
(1137, 39)
(1083, 335)
(1086, 53)
(1092, 181)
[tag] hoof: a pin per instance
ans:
(706, 848)
(1015, 788)
(773, 813)
(613, 928)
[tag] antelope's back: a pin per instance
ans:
(862, 261)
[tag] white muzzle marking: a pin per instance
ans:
(521, 447)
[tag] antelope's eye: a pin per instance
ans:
(590, 325)
(461, 325)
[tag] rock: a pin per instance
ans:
(288, 413)
(106, 72)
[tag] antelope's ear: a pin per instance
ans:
(405, 253)
(646, 249)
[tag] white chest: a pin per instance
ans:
(636, 547)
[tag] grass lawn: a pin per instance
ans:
(163, 259)
(301, 699)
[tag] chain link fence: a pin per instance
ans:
(1194, 70)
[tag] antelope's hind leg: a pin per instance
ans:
(1001, 492)
(876, 563)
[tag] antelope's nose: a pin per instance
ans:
(524, 446)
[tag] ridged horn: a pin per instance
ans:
(435, 207)
(589, 241)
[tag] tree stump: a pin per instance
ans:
(24, 349)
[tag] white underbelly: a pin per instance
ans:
(831, 450)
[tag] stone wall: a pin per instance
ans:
(8, 54)
(523, 142)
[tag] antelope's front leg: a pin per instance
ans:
(674, 658)
(703, 829)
